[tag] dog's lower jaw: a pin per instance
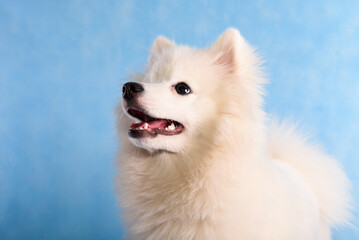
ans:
(173, 143)
(152, 150)
(137, 143)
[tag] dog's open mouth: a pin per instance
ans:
(150, 126)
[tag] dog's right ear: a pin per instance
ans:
(160, 45)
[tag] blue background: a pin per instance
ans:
(62, 64)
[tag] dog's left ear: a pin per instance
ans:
(226, 49)
(159, 45)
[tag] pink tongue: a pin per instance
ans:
(161, 123)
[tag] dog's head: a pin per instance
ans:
(182, 94)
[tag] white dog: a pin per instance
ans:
(200, 162)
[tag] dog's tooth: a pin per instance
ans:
(171, 127)
(146, 126)
(166, 128)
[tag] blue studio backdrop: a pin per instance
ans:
(62, 65)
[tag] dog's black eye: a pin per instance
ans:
(182, 88)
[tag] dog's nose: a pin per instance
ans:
(130, 89)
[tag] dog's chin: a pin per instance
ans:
(160, 143)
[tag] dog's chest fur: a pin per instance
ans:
(187, 204)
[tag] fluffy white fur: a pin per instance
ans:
(229, 175)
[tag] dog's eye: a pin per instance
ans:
(182, 88)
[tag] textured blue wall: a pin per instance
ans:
(62, 64)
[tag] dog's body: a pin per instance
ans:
(202, 164)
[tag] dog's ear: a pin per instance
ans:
(226, 49)
(159, 45)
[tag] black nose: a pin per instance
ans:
(130, 89)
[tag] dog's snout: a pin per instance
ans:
(130, 89)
